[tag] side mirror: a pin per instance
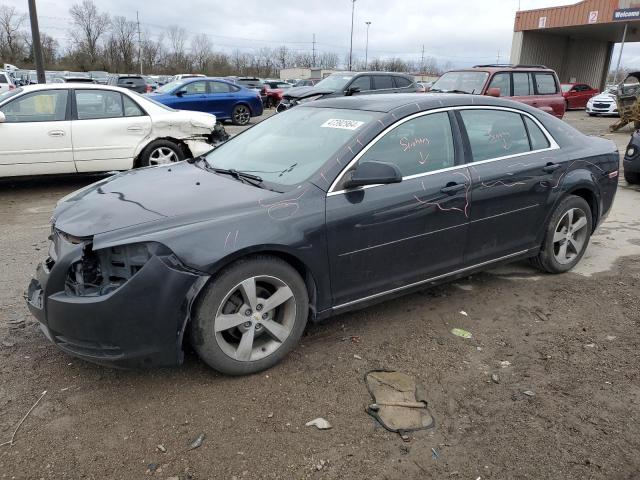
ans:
(352, 90)
(493, 92)
(2, 118)
(373, 173)
(180, 93)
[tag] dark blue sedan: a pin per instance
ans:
(212, 95)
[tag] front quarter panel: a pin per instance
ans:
(291, 224)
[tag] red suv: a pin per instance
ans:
(535, 85)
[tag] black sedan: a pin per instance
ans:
(328, 207)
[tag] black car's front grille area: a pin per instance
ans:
(104, 271)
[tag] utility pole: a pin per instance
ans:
(35, 42)
(422, 62)
(366, 50)
(313, 61)
(624, 39)
(353, 9)
(139, 42)
(498, 61)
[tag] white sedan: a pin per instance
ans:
(67, 128)
(603, 104)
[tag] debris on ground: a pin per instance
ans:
(611, 337)
(495, 378)
(459, 332)
(270, 415)
(400, 403)
(528, 393)
(354, 339)
(320, 423)
(8, 343)
(357, 357)
(196, 443)
(434, 454)
(462, 312)
(13, 436)
(161, 448)
(590, 345)
(505, 364)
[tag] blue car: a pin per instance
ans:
(212, 95)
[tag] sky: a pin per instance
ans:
(464, 32)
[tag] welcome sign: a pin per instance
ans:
(627, 10)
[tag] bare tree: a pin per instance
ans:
(328, 60)
(153, 54)
(177, 39)
(123, 37)
(201, 49)
(12, 39)
(90, 25)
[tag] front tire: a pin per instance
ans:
(632, 178)
(566, 237)
(251, 316)
(241, 115)
(161, 152)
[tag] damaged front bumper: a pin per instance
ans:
(133, 316)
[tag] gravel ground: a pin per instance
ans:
(571, 340)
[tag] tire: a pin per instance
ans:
(241, 115)
(632, 178)
(226, 307)
(553, 257)
(160, 152)
(591, 114)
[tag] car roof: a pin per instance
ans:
(505, 68)
(423, 101)
(67, 86)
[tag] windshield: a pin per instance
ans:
(289, 147)
(566, 88)
(169, 87)
(468, 82)
(336, 81)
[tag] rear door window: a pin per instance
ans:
(522, 85)
(94, 104)
(402, 82)
(219, 87)
(382, 82)
(495, 133)
(545, 83)
(539, 141)
(502, 81)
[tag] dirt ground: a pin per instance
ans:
(572, 341)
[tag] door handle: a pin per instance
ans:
(551, 167)
(135, 128)
(450, 189)
(56, 133)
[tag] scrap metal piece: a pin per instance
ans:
(399, 402)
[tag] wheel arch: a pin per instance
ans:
(587, 193)
(276, 251)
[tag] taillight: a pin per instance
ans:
(11, 87)
(149, 89)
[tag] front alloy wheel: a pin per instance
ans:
(250, 315)
(255, 318)
(162, 156)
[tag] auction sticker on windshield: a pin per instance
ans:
(343, 124)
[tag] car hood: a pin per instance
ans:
(136, 197)
(604, 97)
(303, 92)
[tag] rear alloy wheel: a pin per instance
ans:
(567, 236)
(161, 152)
(251, 316)
(632, 178)
(241, 115)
